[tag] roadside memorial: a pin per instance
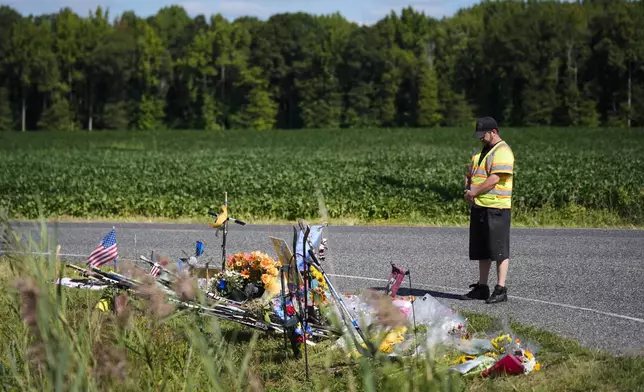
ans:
(286, 291)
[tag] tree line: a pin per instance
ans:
(526, 63)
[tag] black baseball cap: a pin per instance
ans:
(484, 124)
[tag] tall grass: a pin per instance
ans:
(55, 339)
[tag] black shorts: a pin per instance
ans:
(490, 233)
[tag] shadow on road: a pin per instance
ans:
(419, 293)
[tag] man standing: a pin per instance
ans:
(488, 184)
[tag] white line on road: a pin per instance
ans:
(452, 289)
(456, 291)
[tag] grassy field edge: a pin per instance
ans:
(544, 221)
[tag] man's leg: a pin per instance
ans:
(480, 290)
(500, 251)
(500, 293)
(479, 251)
(502, 271)
(484, 271)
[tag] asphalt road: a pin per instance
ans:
(585, 284)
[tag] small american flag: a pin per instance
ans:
(155, 270)
(105, 252)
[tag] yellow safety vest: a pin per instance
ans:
(499, 160)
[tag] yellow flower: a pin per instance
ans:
(319, 277)
(272, 271)
(386, 348)
(497, 342)
(537, 367)
(393, 337)
(272, 288)
(464, 359)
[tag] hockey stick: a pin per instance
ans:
(344, 311)
(306, 302)
(283, 299)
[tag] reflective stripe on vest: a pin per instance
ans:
(500, 196)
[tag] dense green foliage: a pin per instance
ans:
(404, 175)
(525, 63)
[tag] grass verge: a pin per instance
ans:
(566, 364)
(549, 217)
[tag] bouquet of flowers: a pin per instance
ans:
(507, 348)
(228, 284)
(256, 268)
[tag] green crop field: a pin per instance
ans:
(564, 177)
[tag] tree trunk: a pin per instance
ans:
(224, 119)
(629, 95)
(223, 82)
(24, 112)
(91, 107)
(69, 78)
(89, 125)
(572, 64)
(575, 75)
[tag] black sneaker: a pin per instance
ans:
(479, 291)
(500, 294)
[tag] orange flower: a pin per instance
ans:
(272, 271)
(245, 274)
(266, 279)
(266, 263)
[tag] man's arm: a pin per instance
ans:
(487, 185)
(468, 176)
